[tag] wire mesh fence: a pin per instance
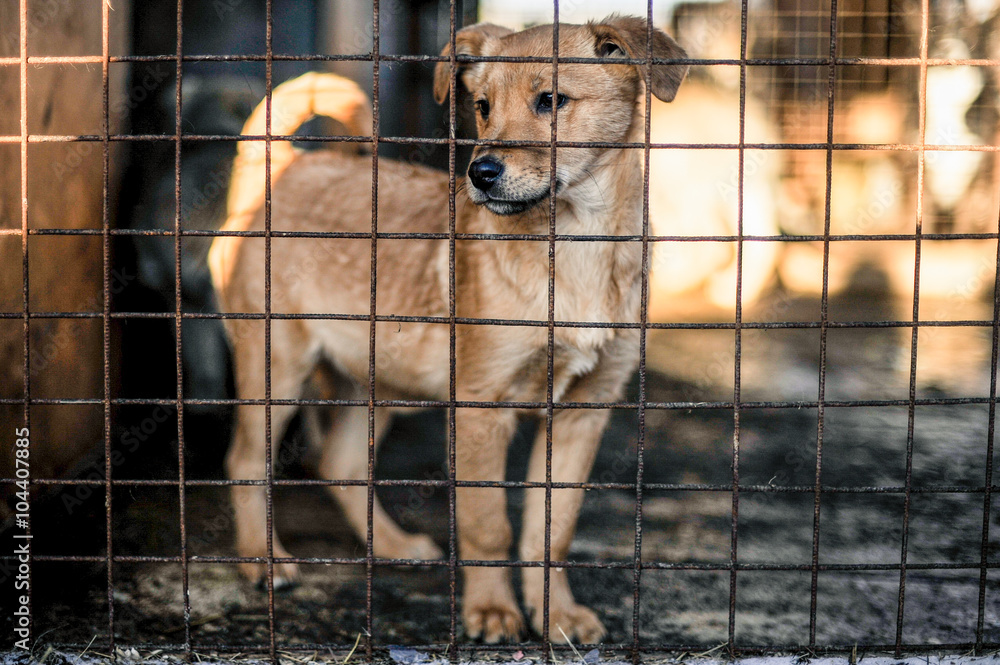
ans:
(832, 49)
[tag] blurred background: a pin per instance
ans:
(872, 199)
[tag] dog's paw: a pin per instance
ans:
(423, 547)
(408, 546)
(494, 621)
(579, 623)
(286, 575)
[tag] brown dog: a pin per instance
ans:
(598, 193)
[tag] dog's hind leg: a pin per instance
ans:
(246, 459)
(345, 457)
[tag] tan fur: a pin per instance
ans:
(293, 103)
(599, 193)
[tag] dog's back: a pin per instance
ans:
(305, 282)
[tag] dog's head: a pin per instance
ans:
(514, 101)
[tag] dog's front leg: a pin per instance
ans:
(489, 608)
(576, 434)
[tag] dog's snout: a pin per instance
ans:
(484, 172)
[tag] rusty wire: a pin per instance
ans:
(178, 329)
(738, 328)
(25, 313)
(106, 319)
(369, 538)
(911, 410)
(268, 433)
(824, 326)
(643, 321)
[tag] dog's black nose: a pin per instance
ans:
(484, 172)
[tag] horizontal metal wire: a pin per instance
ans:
(513, 484)
(534, 237)
(607, 648)
(491, 563)
(469, 59)
(410, 140)
(464, 404)
(527, 323)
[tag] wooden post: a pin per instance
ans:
(65, 190)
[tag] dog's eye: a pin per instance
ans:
(610, 48)
(483, 106)
(545, 101)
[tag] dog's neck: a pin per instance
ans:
(607, 201)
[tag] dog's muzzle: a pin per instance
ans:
(485, 173)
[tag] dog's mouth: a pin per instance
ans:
(506, 207)
(498, 205)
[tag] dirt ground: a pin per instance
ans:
(685, 609)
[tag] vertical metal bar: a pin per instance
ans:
(106, 288)
(452, 305)
(268, 432)
(643, 320)
(734, 527)
(179, 406)
(369, 544)
(550, 356)
(824, 316)
(26, 312)
(990, 436)
(911, 411)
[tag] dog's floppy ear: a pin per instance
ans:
(625, 37)
(468, 41)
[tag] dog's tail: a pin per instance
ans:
(292, 103)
